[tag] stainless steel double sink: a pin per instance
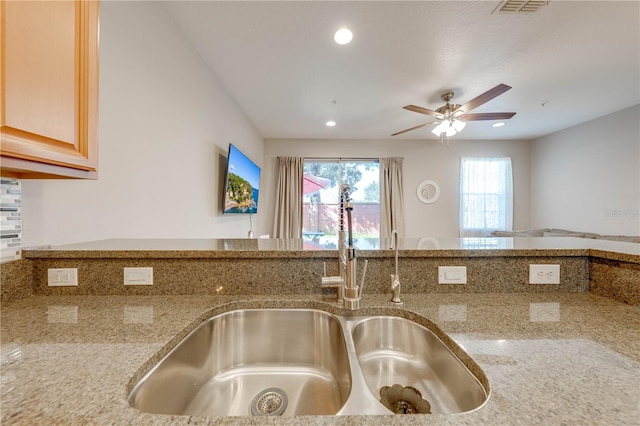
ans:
(295, 362)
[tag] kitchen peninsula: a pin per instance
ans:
(272, 266)
(556, 355)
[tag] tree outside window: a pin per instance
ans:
(320, 208)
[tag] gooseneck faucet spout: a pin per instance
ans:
(395, 278)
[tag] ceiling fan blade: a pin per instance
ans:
(421, 110)
(485, 97)
(487, 116)
(413, 128)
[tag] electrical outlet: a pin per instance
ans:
(58, 277)
(544, 274)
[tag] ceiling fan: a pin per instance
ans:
(451, 118)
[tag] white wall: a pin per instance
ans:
(587, 177)
(166, 122)
(165, 125)
(423, 159)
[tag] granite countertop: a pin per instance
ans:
(370, 248)
(549, 358)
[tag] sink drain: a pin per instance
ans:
(269, 402)
(404, 400)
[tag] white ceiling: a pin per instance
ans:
(569, 62)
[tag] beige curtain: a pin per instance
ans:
(287, 222)
(391, 198)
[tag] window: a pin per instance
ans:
(486, 196)
(321, 199)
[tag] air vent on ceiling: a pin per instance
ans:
(520, 6)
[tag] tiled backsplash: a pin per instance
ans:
(11, 219)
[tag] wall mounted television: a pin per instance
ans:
(241, 183)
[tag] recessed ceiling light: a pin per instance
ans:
(343, 36)
(330, 123)
(499, 124)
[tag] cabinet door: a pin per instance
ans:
(49, 75)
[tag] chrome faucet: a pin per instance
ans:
(348, 291)
(395, 278)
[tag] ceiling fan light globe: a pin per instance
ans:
(458, 125)
(451, 131)
(441, 128)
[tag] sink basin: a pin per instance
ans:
(286, 362)
(292, 362)
(392, 350)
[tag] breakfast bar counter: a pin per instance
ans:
(301, 248)
(559, 358)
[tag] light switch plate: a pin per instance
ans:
(138, 276)
(452, 274)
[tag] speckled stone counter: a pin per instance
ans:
(278, 248)
(549, 358)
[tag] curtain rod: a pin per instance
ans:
(340, 159)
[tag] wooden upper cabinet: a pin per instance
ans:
(49, 93)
